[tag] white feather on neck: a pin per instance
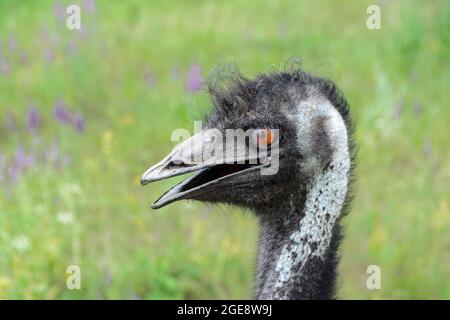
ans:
(325, 196)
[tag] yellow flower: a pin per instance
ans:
(441, 216)
(128, 120)
(107, 138)
(199, 231)
(140, 224)
(89, 163)
(378, 236)
(4, 283)
(130, 198)
(230, 247)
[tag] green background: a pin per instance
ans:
(126, 71)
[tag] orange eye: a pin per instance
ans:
(265, 137)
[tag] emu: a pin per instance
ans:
(299, 208)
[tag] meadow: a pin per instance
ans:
(84, 112)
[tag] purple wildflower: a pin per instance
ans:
(49, 55)
(59, 11)
(20, 158)
(24, 58)
(427, 148)
(417, 108)
(194, 79)
(31, 160)
(66, 160)
(20, 162)
(78, 122)
(398, 110)
(89, 5)
(4, 65)
(61, 113)
(33, 119)
(14, 172)
(150, 78)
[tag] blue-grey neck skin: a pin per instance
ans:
(300, 237)
(298, 252)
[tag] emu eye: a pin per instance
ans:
(263, 137)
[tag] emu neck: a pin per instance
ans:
(300, 237)
(299, 240)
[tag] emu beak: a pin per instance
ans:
(213, 162)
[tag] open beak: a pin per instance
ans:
(211, 159)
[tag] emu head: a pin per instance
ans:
(292, 120)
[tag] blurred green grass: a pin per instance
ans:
(395, 79)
